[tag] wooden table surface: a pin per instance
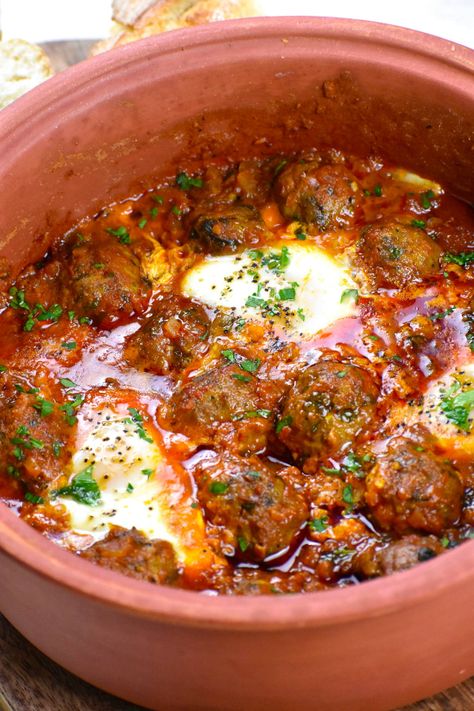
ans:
(31, 682)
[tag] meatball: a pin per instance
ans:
(170, 338)
(412, 488)
(323, 195)
(34, 436)
(251, 581)
(392, 255)
(101, 279)
(226, 228)
(407, 552)
(259, 507)
(204, 402)
(132, 554)
(330, 405)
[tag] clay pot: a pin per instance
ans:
(104, 130)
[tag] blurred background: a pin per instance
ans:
(46, 20)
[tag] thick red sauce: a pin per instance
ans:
(274, 461)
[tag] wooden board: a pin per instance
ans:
(31, 682)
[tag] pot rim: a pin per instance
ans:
(173, 606)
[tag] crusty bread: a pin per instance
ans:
(136, 19)
(22, 66)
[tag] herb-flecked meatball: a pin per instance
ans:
(174, 334)
(413, 488)
(34, 435)
(224, 229)
(102, 280)
(397, 555)
(259, 507)
(325, 196)
(392, 255)
(207, 400)
(132, 554)
(330, 405)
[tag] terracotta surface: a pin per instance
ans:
(103, 130)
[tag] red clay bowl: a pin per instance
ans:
(101, 131)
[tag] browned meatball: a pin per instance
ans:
(34, 435)
(132, 554)
(330, 405)
(101, 279)
(251, 581)
(411, 487)
(324, 195)
(226, 228)
(170, 338)
(397, 556)
(203, 403)
(259, 507)
(392, 255)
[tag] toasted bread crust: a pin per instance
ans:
(137, 19)
(22, 66)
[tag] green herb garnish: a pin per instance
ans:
(83, 488)
(121, 232)
(185, 181)
(218, 487)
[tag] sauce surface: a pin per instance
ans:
(254, 378)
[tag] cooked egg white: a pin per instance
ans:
(416, 181)
(447, 402)
(295, 287)
(138, 487)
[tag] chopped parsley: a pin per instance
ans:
(253, 413)
(348, 495)
(142, 223)
(3, 368)
(175, 210)
(83, 488)
(67, 383)
(279, 167)
(185, 181)
(377, 191)
(426, 199)
(442, 314)
(350, 295)
(69, 345)
(242, 378)
(137, 420)
(462, 259)
(158, 199)
(287, 294)
(44, 407)
(37, 313)
(284, 422)
(69, 409)
(33, 498)
(457, 406)
(319, 524)
(218, 487)
(418, 223)
(121, 233)
(130, 488)
(250, 366)
(147, 472)
(243, 543)
(24, 440)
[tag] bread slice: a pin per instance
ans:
(136, 19)
(22, 66)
